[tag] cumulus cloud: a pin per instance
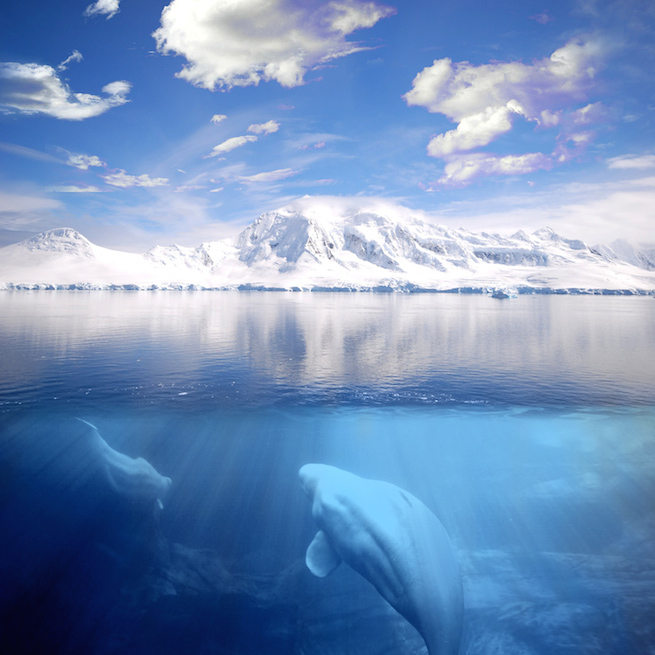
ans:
(218, 118)
(83, 162)
(231, 144)
(264, 128)
(229, 43)
(632, 162)
(475, 130)
(125, 181)
(269, 176)
(37, 89)
(486, 100)
(107, 8)
(461, 90)
(462, 170)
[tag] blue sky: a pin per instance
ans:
(143, 123)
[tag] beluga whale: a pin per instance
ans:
(394, 541)
(132, 478)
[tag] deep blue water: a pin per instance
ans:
(527, 426)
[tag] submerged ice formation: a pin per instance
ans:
(394, 541)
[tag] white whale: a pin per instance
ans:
(394, 541)
(135, 479)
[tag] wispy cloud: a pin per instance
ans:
(632, 162)
(75, 56)
(29, 153)
(72, 188)
(218, 118)
(269, 176)
(37, 89)
(314, 146)
(231, 144)
(123, 180)
(543, 18)
(229, 44)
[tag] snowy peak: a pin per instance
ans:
(621, 250)
(176, 255)
(283, 236)
(366, 238)
(317, 247)
(63, 239)
(363, 239)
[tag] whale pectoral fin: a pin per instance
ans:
(321, 558)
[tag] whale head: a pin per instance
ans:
(309, 475)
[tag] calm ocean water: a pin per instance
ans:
(527, 426)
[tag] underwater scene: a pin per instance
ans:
(326, 474)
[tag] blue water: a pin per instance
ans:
(527, 426)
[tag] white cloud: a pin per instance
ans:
(475, 130)
(230, 144)
(632, 162)
(76, 55)
(83, 162)
(463, 89)
(118, 88)
(36, 89)
(264, 128)
(218, 118)
(229, 43)
(189, 187)
(107, 8)
(485, 100)
(269, 176)
(71, 188)
(463, 169)
(124, 180)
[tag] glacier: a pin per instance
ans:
(306, 248)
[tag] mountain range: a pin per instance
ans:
(314, 249)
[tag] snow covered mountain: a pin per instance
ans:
(313, 249)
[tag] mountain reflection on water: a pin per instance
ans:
(527, 426)
(312, 347)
